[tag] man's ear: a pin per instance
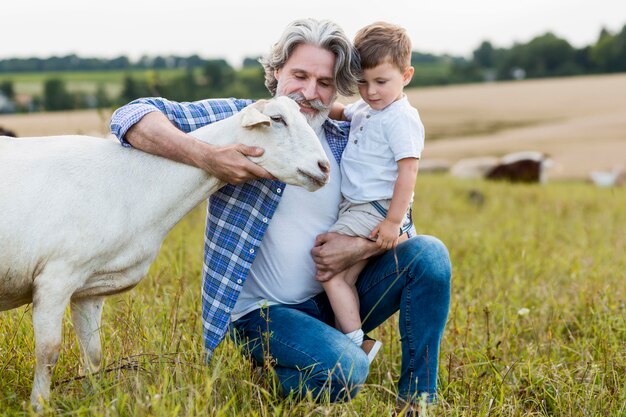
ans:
(407, 75)
(252, 117)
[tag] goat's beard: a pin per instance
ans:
(322, 111)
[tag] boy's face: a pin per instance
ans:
(382, 85)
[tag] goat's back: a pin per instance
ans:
(79, 199)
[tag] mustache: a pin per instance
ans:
(315, 104)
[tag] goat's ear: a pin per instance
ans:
(252, 118)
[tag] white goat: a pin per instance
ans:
(82, 218)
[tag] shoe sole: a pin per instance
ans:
(372, 353)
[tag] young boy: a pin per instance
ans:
(380, 162)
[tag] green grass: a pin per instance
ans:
(556, 250)
(83, 81)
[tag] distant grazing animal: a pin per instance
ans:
(525, 166)
(615, 177)
(82, 218)
(7, 132)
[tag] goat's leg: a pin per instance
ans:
(86, 315)
(49, 302)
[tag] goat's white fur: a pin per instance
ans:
(82, 218)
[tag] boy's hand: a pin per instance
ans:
(386, 234)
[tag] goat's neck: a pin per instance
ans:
(176, 188)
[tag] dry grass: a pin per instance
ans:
(77, 122)
(580, 121)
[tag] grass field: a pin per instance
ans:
(31, 83)
(537, 324)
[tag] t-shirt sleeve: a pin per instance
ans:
(405, 135)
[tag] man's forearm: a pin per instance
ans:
(155, 134)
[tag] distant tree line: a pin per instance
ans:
(76, 63)
(544, 56)
(215, 78)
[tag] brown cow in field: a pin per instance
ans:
(525, 166)
(528, 166)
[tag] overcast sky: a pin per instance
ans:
(234, 29)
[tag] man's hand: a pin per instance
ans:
(386, 234)
(230, 163)
(334, 253)
(155, 134)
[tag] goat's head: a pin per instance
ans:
(293, 152)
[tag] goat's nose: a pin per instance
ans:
(324, 166)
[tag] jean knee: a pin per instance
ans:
(348, 377)
(430, 261)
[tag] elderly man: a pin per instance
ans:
(264, 261)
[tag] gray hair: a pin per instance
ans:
(324, 34)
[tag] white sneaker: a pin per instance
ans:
(371, 348)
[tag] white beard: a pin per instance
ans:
(315, 120)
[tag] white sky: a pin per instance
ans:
(234, 29)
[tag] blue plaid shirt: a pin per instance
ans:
(237, 216)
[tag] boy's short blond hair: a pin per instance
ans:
(382, 41)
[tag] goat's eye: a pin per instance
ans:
(278, 119)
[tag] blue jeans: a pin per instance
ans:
(310, 356)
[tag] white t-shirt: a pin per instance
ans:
(283, 271)
(378, 139)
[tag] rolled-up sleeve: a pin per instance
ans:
(125, 117)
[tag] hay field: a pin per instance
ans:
(579, 121)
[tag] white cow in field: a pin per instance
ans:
(82, 218)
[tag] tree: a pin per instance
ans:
(101, 96)
(218, 75)
(609, 53)
(7, 89)
(252, 79)
(133, 89)
(484, 56)
(544, 56)
(55, 95)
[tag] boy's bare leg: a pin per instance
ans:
(343, 298)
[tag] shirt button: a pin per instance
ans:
(278, 190)
(264, 219)
(239, 281)
(355, 141)
(251, 251)
(227, 310)
(361, 128)
(367, 117)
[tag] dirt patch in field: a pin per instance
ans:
(80, 122)
(579, 121)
